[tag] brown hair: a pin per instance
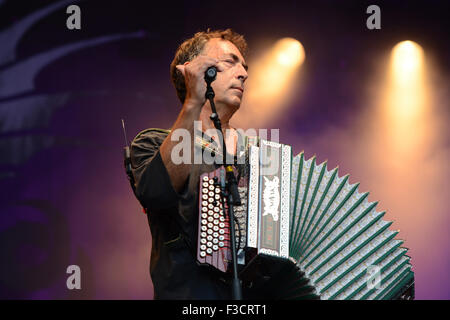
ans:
(192, 47)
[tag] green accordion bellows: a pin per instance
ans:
(339, 240)
(306, 229)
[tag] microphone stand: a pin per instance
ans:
(231, 195)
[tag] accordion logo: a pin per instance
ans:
(271, 197)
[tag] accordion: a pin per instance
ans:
(303, 227)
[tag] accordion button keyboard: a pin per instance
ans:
(204, 228)
(202, 254)
(221, 231)
(215, 247)
(203, 241)
(215, 234)
(204, 221)
(209, 251)
(221, 244)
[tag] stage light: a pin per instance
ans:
(407, 92)
(268, 88)
(290, 52)
(407, 59)
(406, 114)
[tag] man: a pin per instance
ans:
(169, 191)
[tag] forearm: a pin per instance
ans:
(178, 173)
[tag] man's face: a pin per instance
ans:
(229, 84)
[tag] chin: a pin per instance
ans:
(235, 102)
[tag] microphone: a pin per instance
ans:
(210, 74)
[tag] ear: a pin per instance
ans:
(180, 68)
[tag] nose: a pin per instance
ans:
(242, 74)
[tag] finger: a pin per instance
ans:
(211, 63)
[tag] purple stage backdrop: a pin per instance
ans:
(65, 198)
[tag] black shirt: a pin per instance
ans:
(173, 219)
